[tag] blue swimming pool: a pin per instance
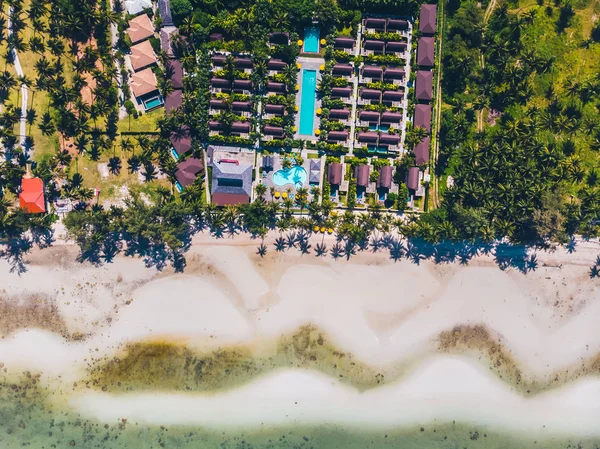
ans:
(153, 103)
(174, 154)
(296, 175)
(311, 39)
(307, 102)
(179, 187)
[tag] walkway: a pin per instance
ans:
(24, 91)
(308, 64)
(354, 93)
(114, 37)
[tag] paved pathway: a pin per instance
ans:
(24, 93)
(114, 37)
(354, 93)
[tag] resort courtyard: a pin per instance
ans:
(285, 174)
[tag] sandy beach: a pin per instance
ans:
(367, 341)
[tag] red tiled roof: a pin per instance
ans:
(31, 198)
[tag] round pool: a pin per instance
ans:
(296, 175)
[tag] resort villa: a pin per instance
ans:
(188, 171)
(231, 182)
(143, 87)
(140, 29)
(134, 7)
(31, 198)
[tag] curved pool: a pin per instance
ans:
(295, 175)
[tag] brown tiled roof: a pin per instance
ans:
(276, 64)
(424, 85)
(385, 177)
(396, 24)
(391, 117)
(427, 19)
(361, 173)
(396, 46)
(393, 74)
(339, 113)
(143, 82)
(372, 71)
(274, 108)
(369, 116)
(337, 135)
(422, 118)
(334, 173)
(345, 69)
(140, 28)
(389, 139)
(421, 151)
(142, 55)
(240, 127)
(425, 52)
(343, 42)
(177, 77)
(273, 130)
(182, 142)
(392, 95)
(368, 137)
(373, 45)
(412, 180)
(375, 23)
(371, 94)
(188, 170)
(241, 105)
(341, 92)
(173, 100)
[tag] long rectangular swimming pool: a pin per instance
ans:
(307, 101)
(311, 39)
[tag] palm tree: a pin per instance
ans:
(301, 198)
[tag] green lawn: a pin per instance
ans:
(144, 123)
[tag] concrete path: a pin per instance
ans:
(354, 93)
(24, 92)
(114, 37)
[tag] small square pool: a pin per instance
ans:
(311, 39)
(153, 103)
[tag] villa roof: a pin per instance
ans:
(314, 176)
(215, 125)
(276, 64)
(166, 35)
(375, 23)
(425, 52)
(389, 139)
(422, 117)
(372, 71)
(231, 183)
(341, 92)
(181, 141)
(369, 116)
(315, 164)
(391, 117)
(241, 105)
(279, 38)
(393, 95)
(385, 177)
(334, 173)
(273, 130)
(267, 162)
(424, 85)
(143, 82)
(188, 170)
(219, 82)
(135, 7)
(368, 137)
(242, 84)
(240, 127)
(345, 69)
(371, 94)
(274, 109)
(31, 198)
(218, 60)
(421, 151)
(393, 73)
(140, 28)
(273, 86)
(215, 37)
(338, 136)
(217, 104)
(339, 113)
(412, 179)
(361, 173)
(396, 46)
(396, 24)
(177, 76)
(142, 55)
(243, 62)
(427, 19)
(173, 100)
(373, 44)
(343, 42)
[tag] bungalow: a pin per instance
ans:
(393, 98)
(372, 47)
(215, 37)
(396, 25)
(273, 132)
(176, 71)
(370, 74)
(343, 70)
(217, 106)
(273, 110)
(273, 86)
(314, 176)
(361, 173)
(143, 87)
(368, 118)
(341, 115)
(345, 44)
(242, 107)
(343, 93)
(395, 48)
(421, 151)
(218, 60)
(215, 127)
(31, 198)
(219, 85)
(334, 174)
(231, 182)
(374, 25)
(142, 56)
(424, 85)
(244, 64)
(369, 96)
(391, 141)
(242, 86)
(422, 117)
(181, 142)
(134, 7)
(391, 118)
(384, 181)
(366, 138)
(140, 29)
(425, 52)
(279, 38)
(166, 35)
(275, 66)
(339, 137)
(428, 20)
(412, 179)
(267, 163)
(241, 129)
(188, 171)
(393, 75)
(173, 101)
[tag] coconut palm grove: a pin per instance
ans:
(427, 128)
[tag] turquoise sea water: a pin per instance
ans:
(295, 175)
(307, 101)
(311, 40)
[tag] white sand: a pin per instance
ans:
(442, 390)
